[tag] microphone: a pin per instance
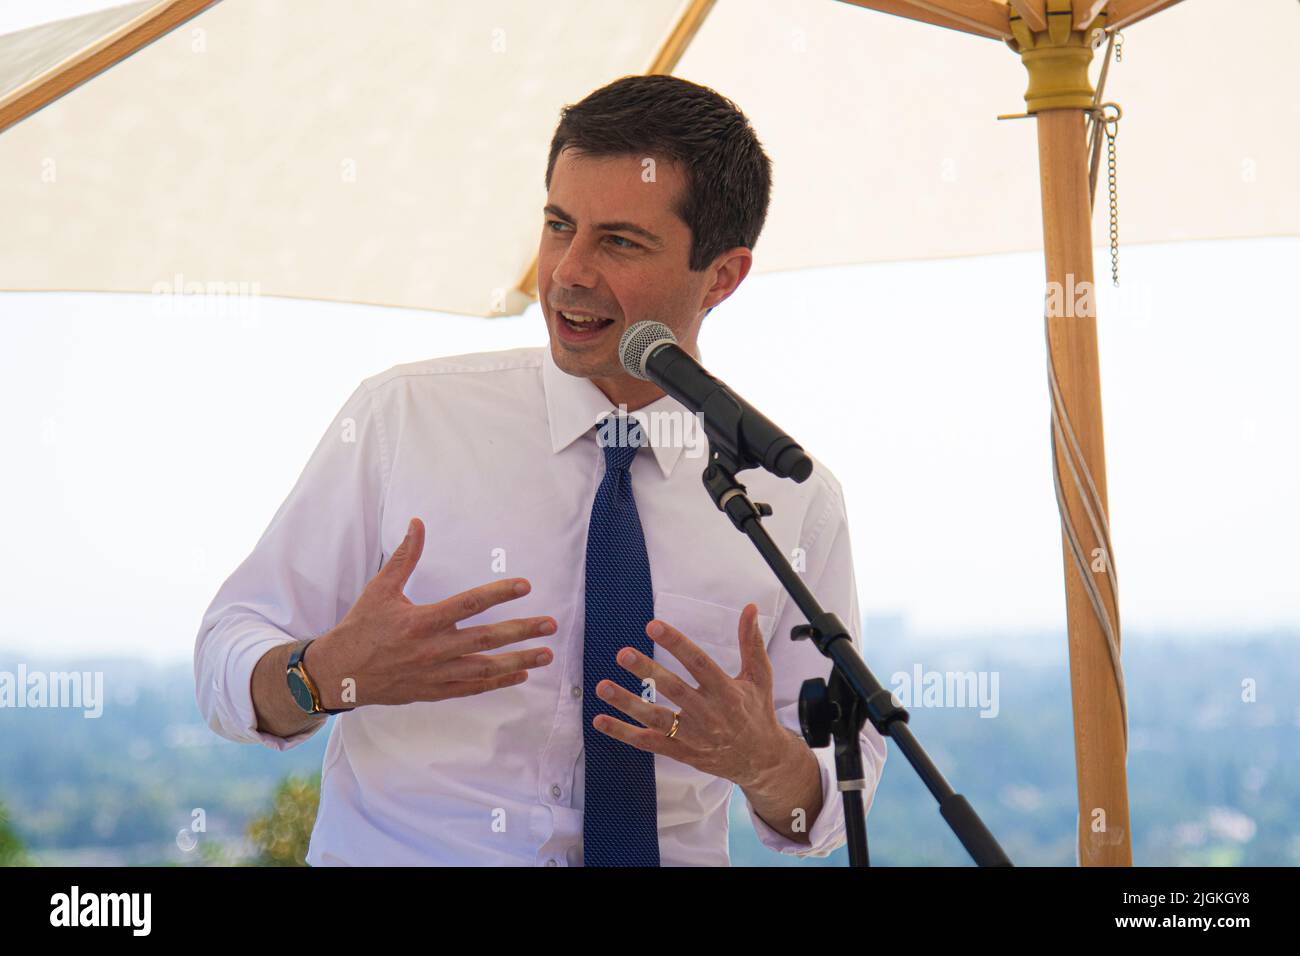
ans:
(649, 351)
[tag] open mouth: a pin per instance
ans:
(583, 324)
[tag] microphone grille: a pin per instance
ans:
(638, 341)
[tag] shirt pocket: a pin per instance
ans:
(711, 626)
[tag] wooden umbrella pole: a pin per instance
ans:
(1059, 95)
(1099, 722)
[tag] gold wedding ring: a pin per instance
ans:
(676, 722)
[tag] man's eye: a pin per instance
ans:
(552, 224)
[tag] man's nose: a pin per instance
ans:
(575, 267)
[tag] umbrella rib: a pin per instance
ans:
(1123, 13)
(987, 21)
(103, 54)
(665, 61)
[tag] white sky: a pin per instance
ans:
(147, 454)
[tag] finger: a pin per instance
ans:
(474, 601)
(651, 741)
(404, 558)
(754, 662)
(650, 715)
(468, 688)
(482, 666)
(488, 637)
(700, 665)
(665, 681)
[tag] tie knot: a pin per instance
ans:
(621, 437)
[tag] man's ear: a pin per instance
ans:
(733, 266)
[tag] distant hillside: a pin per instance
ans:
(1213, 779)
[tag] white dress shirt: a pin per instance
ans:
(496, 452)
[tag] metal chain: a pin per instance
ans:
(1112, 129)
(1111, 126)
(1108, 122)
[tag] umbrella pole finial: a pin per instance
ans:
(1057, 58)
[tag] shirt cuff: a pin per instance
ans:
(229, 703)
(827, 831)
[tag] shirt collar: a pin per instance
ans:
(574, 406)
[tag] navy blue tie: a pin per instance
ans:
(620, 824)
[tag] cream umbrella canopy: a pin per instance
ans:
(312, 149)
(320, 151)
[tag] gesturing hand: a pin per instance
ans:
(727, 726)
(397, 651)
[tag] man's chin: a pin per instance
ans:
(583, 363)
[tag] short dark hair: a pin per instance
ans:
(728, 176)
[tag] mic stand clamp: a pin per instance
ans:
(834, 710)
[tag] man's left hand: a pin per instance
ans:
(727, 725)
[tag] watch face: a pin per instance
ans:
(300, 692)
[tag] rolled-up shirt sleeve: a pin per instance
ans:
(828, 572)
(307, 570)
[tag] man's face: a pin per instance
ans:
(612, 247)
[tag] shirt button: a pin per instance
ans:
(576, 691)
(556, 791)
(551, 863)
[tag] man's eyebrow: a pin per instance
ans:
(631, 227)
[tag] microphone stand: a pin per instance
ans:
(839, 708)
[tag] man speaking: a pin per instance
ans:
(547, 645)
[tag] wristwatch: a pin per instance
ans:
(303, 687)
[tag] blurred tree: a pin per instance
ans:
(214, 854)
(12, 851)
(281, 836)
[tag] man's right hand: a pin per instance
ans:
(398, 652)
